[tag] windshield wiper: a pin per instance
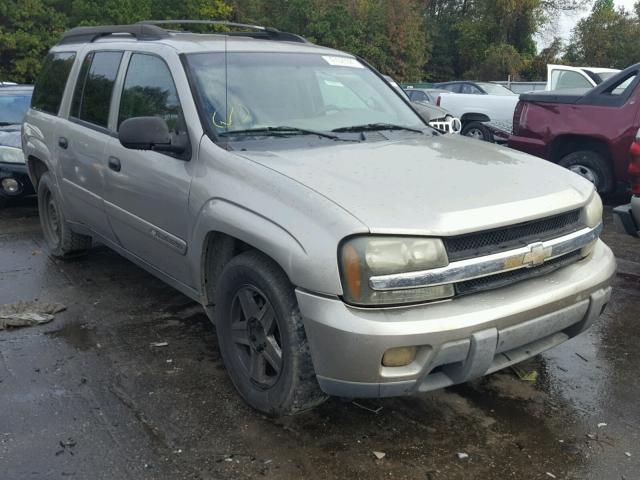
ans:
(282, 130)
(372, 127)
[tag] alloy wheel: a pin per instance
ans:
(256, 336)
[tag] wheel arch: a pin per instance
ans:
(473, 117)
(224, 230)
(563, 145)
(36, 168)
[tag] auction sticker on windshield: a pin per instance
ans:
(342, 61)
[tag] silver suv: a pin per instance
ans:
(340, 245)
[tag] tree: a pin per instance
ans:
(608, 37)
(28, 28)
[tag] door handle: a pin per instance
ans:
(63, 142)
(114, 164)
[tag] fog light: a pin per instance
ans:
(10, 185)
(399, 357)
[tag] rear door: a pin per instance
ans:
(147, 192)
(82, 139)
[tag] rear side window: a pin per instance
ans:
(92, 96)
(149, 91)
(49, 88)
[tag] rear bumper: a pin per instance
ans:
(457, 340)
(627, 217)
(20, 174)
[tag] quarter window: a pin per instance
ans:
(49, 88)
(92, 97)
(149, 91)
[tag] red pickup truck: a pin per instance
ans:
(588, 131)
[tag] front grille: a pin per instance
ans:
(487, 242)
(507, 278)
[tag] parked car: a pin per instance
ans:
(483, 117)
(627, 217)
(562, 77)
(588, 131)
(474, 88)
(339, 245)
(14, 180)
(429, 95)
(436, 117)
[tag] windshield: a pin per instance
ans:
(13, 108)
(495, 89)
(299, 90)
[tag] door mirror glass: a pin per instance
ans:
(148, 133)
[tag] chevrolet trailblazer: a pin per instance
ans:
(340, 245)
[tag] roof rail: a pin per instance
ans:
(91, 34)
(258, 31)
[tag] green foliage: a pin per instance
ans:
(609, 37)
(412, 40)
(28, 28)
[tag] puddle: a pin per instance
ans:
(77, 334)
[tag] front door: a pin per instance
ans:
(147, 192)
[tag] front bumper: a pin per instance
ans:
(627, 217)
(457, 340)
(20, 173)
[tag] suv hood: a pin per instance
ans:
(440, 185)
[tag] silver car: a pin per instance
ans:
(340, 245)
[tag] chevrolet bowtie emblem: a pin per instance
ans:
(537, 255)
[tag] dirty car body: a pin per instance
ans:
(389, 259)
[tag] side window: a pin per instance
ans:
(419, 96)
(562, 79)
(92, 96)
(469, 88)
(49, 88)
(149, 91)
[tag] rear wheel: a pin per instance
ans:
(61, 240)
(478, 130)
(262, 338)
(591, 165)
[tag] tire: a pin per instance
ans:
(61, 240)
(591, 165)
(257, 317)
(3, 201)
(477, 130)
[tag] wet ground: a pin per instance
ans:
(88, 396)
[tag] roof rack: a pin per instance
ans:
(258, 31)
(91, 34)
(152, 30)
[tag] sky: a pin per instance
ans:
(569, 20)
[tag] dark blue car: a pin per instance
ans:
(14, 181)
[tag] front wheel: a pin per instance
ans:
(477, 130)
(262, 338)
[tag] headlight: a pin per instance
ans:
(592, 215)
(593, 211)
(364, 257)
(11, 154)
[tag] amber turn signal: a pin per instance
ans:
(399, 356)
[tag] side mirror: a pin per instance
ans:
(148, 133)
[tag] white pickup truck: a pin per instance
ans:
(482, 116)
